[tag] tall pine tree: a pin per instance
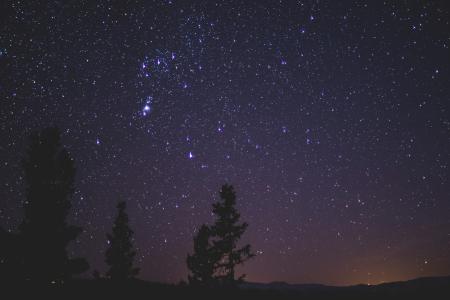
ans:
(216, 253)
(45, 234)
(120, 254)
(227, 232)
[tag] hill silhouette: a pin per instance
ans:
(421, 288)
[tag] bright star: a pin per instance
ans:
(148, 106)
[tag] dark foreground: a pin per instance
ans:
(424, 288)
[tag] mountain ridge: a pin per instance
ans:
(282, 285)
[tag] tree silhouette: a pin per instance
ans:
(120, 254)
(227, 232)
(202, 263)
(9, 256)
(215, 248)
(45, 234)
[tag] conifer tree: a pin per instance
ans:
(202, 263)
(120, 254)
(44, 232)
(216, 251)
(228, 231)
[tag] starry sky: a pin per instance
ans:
(330, 118)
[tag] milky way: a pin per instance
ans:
(330, 118)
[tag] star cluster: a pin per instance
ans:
(330, 118)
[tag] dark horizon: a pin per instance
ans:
(331, 120)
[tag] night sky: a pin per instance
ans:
(330, 118)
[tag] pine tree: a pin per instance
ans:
(215, 248)
(120, 254)
(202, 263)
(227, 232)
(45, 234)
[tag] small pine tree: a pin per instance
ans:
(44, 232)
(120, 254)
(202, 263)
(227, 232)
